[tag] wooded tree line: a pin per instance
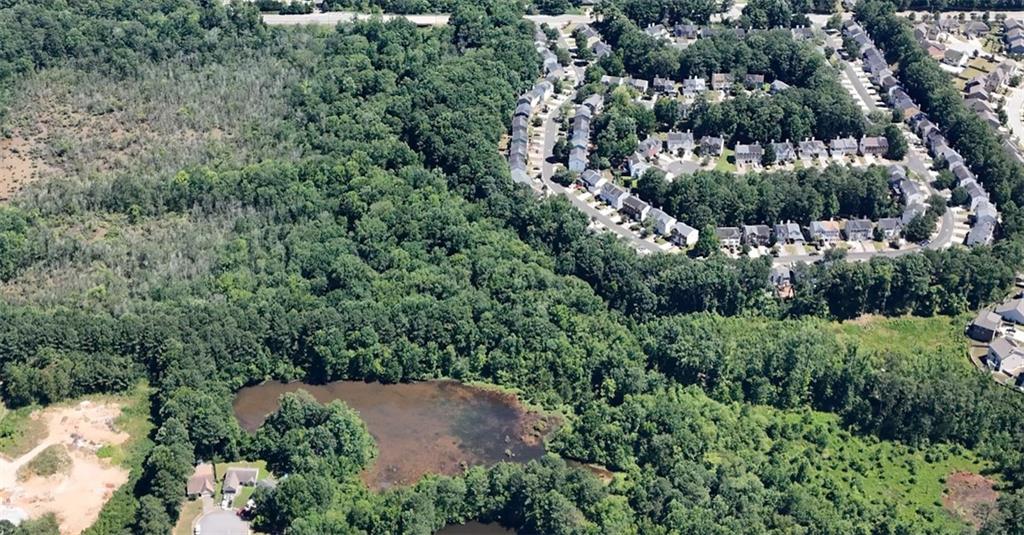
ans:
(933, 90)
(720, 199)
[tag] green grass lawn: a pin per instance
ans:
(190, 510)
(937, 337)
(222, 468)
(725, 162)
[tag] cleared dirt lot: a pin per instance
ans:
(77, 495)
(970, 496)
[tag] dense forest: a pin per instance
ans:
(362, 226)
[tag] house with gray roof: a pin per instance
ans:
(664, 86)
(1012, 311)
(890, 228)
(578, 159)
(859, 230)
(613, 195)
(678, 142)
(684, 235)
(986, 210)
(811, 149)
(982, 233)
(789, 232)
(874, 145)
(637, 165)
(777, 86)
(663, 223)
(592, 180)
(635, 208)
(757, 235)
(784, 152)
(711, 146)
(601, 49)
(729, 236)
(843, 146)
(749, 154)
(985, 326)
(693, 87)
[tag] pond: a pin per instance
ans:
(431, 427)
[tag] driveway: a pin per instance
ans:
(221, 522)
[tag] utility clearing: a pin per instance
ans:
(77, 491)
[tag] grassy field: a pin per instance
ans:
(891, 474)
(725, 162)
(190, 510)
(936, 337)
(18, 432)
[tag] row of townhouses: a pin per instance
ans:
(985, 214)
(527, 104)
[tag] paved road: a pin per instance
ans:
(332, 18)
(1014, 105)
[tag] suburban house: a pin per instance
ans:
(912, 192)
(664, 86)
(236, 478)
(812, 149)
(975, 28)
(613, 195)
(757, 235)
(778, 86)
(640, 85)
(612, 80)
(1004, 356)
(788, 233)
(753, 81)
(201, 482)
(684, 235)
(954, 57)
(749, 154)
(637, 165)
(1012, 311)
(711, 146)
(663, 223)
(985, 326)
(859, 230)
(601, 49)
(890, 227)
(986, 210)
(843, 146)
(595, 102)
(721, 81)
(976, 193)
(874, 145)
(635, 208)
(729, 236)
(592, 180)
(784, 152)
(825, 231)
(649, 147)
(982, 233)
(577, 159)
(686, 31)
(524, 109)
(694, 86)
(680, 142)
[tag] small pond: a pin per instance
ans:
(439, 427)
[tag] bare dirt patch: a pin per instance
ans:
(970, 496)
(18, 165)
(77, 494)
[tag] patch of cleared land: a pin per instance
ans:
(970, 496)
(935, 340)
(76, 492)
